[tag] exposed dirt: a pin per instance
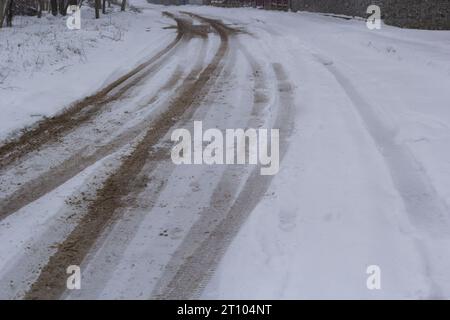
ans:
(72, 119)
(217, 24)
(59, 174)
(49, 130)
(111, 197)
(195, 260)
(186, 27)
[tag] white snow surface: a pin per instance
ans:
(366, 178)
(343, 199)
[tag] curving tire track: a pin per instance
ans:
(74, 118)
(427, 211)
(194, 262)
(51, 129)
(59, 174)
(111, 197)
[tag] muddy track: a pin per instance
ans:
(186, 27)
(111, 197)
(59, 174)
(217, 24)
(116, 240)
(51, 129)
(196, 259)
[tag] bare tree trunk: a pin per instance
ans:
(62, 7)
(97, 8)
(54, 7)
(124, 3)
(40, 3)
(3, 9)
(104, 7)
(10, 13)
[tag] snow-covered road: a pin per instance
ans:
(364, 180)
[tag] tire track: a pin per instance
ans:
(110, 249)
(195, 260)
(426, 209)
(32, 190)
(79, 161)
(421, 200)
(80, 112)
(112, 196)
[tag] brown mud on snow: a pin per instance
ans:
(111, 197)
(49, 130)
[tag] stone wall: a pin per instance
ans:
(346, 7)
(422, 14)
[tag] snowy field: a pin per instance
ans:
(364, 178)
